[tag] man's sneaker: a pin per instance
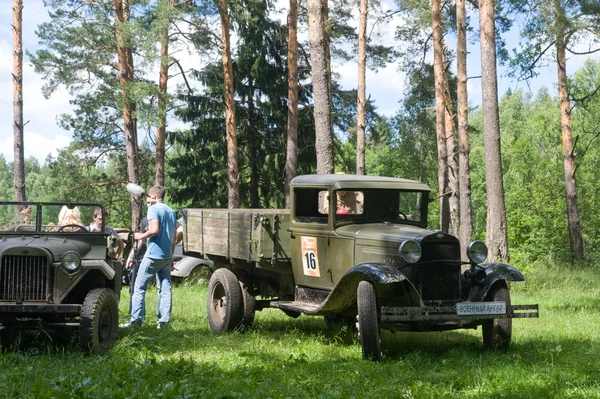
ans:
(162, 326)
(130, 325)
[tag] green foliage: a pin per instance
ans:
(534, 176)
(74, 177)
(260, 81)
(577, 19)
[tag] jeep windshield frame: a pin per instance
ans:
(43, 218)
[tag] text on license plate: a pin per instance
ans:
(468, 308)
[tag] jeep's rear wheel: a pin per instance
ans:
(225, 306)
(247, 290)
(98, 321)
(368, 328)
(497, 333)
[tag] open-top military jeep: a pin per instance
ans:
(356, 250)
(54, 273)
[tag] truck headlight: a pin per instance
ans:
(410, 251)
(477, 252)
(71, 261)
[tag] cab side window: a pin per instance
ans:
(312, 205)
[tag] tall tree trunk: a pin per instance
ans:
(496, 231)
(361, 119)
(291, 163)
(440, 109)
(464, 179)
(321, 92)
(252, 148)
(449, 126)
(453, 220)
(233, 174)
(574, 222)
(125, 59)
(161, 130)
(327, 32)
(19, 150)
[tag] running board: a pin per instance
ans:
(296, 306)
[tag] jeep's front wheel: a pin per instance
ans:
(497, 333)
(99, 321)
(224, 305)
(368, 328)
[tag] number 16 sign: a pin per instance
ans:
(310, 257)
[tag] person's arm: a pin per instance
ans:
(120, 248)
(178, 236)
(153, 229)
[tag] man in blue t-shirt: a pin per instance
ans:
(161, 234)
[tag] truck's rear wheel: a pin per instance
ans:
(99, 321)
(368, 328)
(497, 333)
(247, 290)
(225, 306)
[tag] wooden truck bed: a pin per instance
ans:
(250, 234)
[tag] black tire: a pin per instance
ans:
(497, 333)
(224, 303)
(248, 294)
(368, 328)
(99, 321)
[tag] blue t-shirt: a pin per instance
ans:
(159, 246)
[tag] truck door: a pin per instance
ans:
(310, 239)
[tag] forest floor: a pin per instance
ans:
(555, 356)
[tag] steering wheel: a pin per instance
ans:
(402, 215)
(25, 227)
(76, 226)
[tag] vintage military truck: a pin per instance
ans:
(356, 250)
(54, 273)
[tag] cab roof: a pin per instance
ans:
(342, 181)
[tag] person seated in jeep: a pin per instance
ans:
(96, 226)
(69, 220)
(24, 214)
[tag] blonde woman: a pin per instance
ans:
(69, 220)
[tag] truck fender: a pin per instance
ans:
(494, 272)
(388, 282)
(187, 264)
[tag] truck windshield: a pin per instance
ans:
(380, 205)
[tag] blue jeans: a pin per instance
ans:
(148, 268)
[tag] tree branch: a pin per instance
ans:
(190, 90)
(535, 61)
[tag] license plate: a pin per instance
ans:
(470, 308)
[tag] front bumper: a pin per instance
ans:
(38, 308)
(449, 314)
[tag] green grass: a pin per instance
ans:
(555, 356)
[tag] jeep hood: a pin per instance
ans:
(55, 246)
(363, 233)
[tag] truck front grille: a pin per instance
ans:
(23, 278)
(439, 271)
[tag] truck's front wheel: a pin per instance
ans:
(368, 327)
(225, 306)
(497, 333)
